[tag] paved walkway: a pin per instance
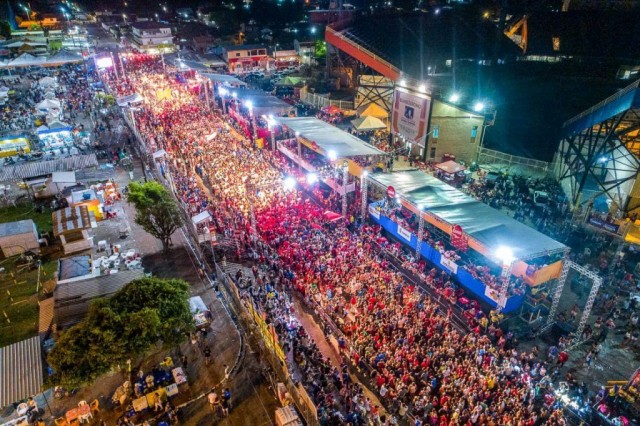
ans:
(329, 350)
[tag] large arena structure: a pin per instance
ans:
(597, 162)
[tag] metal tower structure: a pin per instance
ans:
(557, 293)
(600, 152)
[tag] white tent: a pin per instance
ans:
(47, 82)
(19, 44)
(49, 95)
(42, 128)
(59, 125)
(64, 57)
(365, 124)
(48, 104)
(26, 60)
(129, 99)
(52, 115)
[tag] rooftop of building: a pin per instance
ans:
(150, 25)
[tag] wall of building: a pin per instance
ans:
(453, 131)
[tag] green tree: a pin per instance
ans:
(122, 328)
(321, 49)
(156, 210)
(5, 30)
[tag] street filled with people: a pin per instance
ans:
(413, 355)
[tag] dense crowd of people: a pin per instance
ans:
(419, 362)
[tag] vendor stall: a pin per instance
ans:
(91, 199)
(14, 145)
(200, 312)
(440, 223)
(56, 136)
(451, 172)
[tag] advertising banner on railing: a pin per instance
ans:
(410, 115)
(375, 213)
(449, 264)
(598, 222)
(404, 233)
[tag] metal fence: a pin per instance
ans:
(491, 157)
(319, 101)
(268, 352)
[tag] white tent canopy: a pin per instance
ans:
(58, 125)
(48, 104)
(42, 128)
(19, 44)
(26, 60)
(129, 99)
(47, 82)
(328, 138)
(224, 79)
(64, 56)
(365, 124)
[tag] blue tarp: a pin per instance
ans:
(626, 99)
(432, 255)
(57, 130)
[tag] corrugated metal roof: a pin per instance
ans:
(72, 299)
(71, 219)
(18, 172)
(16, 228)
(20, 371)
(45, 318)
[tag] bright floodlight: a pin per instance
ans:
(249, 104)
(365, 173)
(422, 88)
(234, 94)
(479, 106)
(454, 98)
(223, 92)
(332, 155)
(312, 178)
(505, 254)
(289, 183)
(403, 82)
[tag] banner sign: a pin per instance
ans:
(449, 264)
(375, 213)
(404, 233)
(604, 224)
(495, 296)
(458, 238)
(391, 192)
(410, 115)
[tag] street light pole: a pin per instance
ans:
(345, 180)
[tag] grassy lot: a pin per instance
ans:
(27, 211)
(18, 298)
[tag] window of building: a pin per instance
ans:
(237, 54)
(253, 53)
(556, 44)
(436, 132)
(474, 134)
(432, 152)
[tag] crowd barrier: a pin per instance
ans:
(271, 351)
(478, 288)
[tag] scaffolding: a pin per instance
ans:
(600, 151)
(557, 294)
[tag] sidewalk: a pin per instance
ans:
(328, 350)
